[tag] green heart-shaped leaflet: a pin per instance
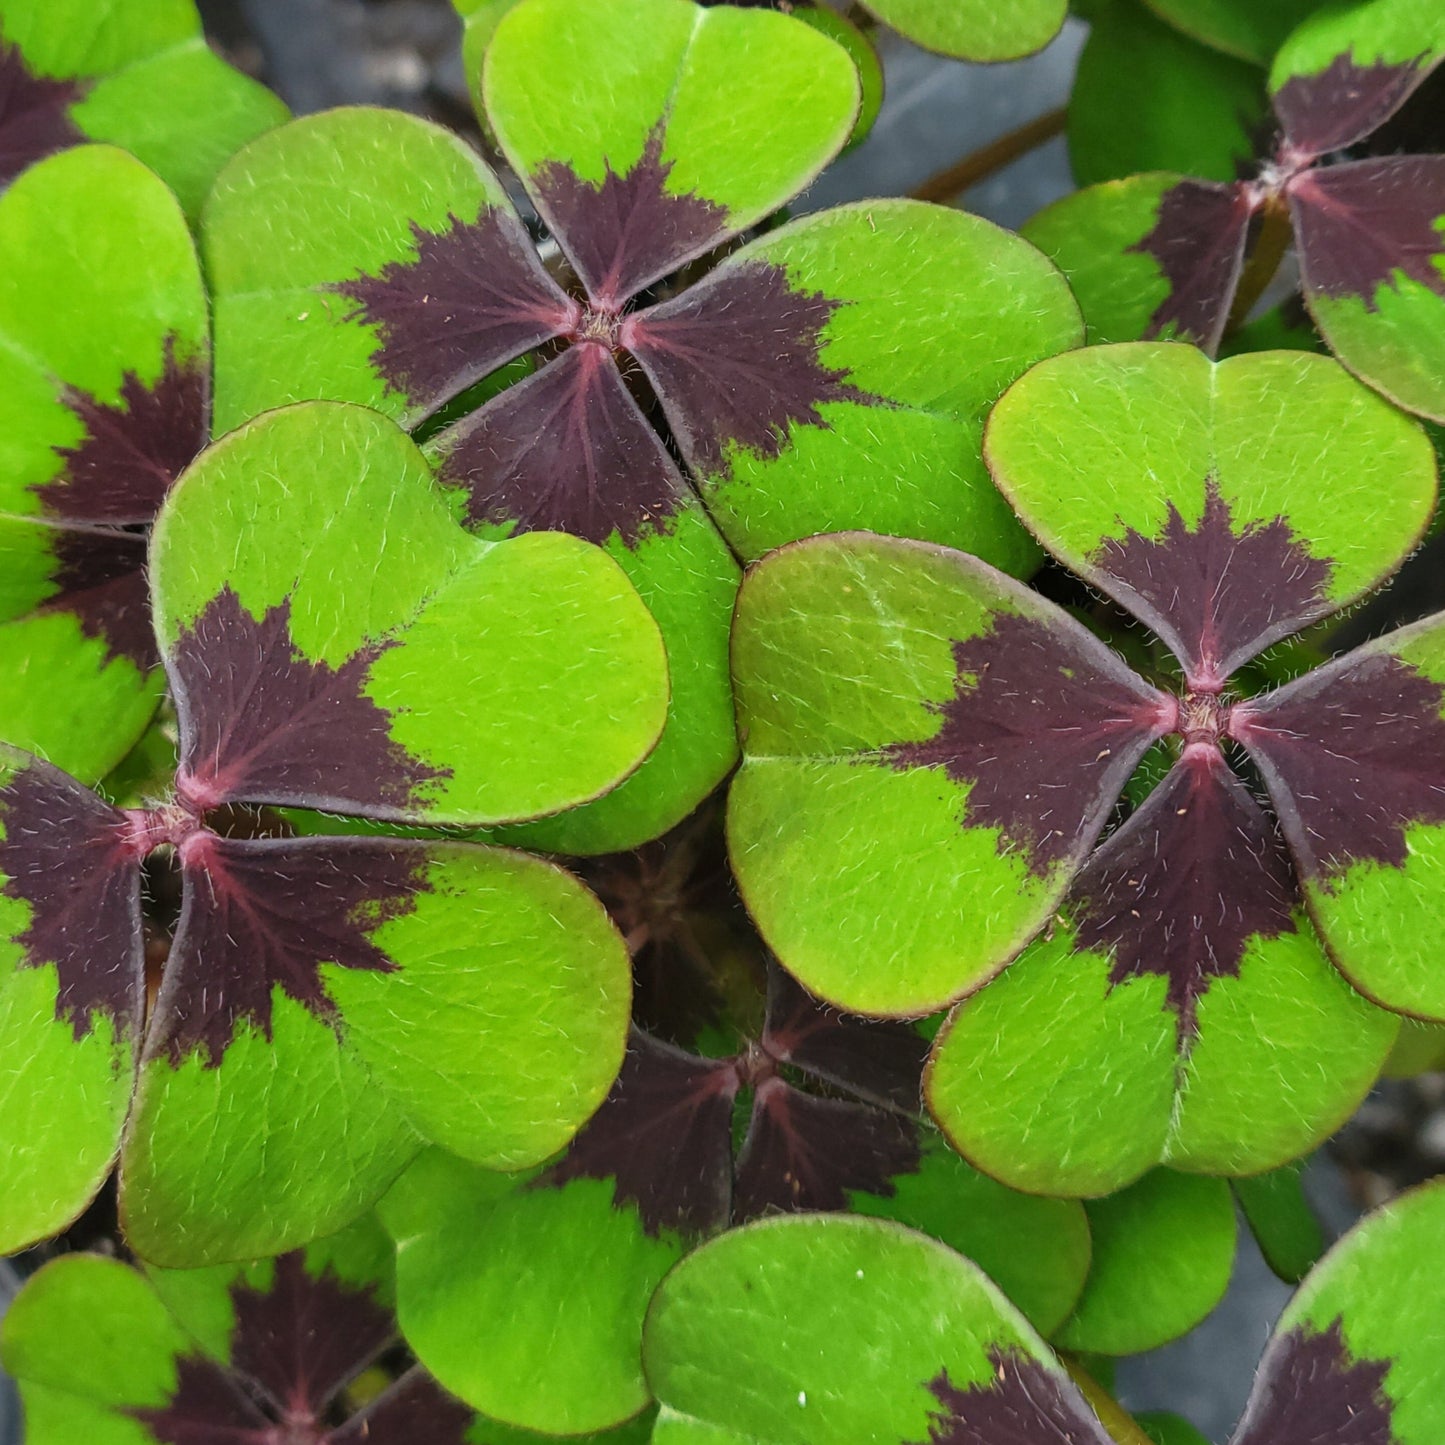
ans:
(104, 375)
(138, 74)
(987, 30)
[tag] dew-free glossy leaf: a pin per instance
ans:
(138, 74)
(985, 30)
(1154, 255)
(72, 994)
(844, 1331)
(1163, 1251)
(1279, 1216)
(897, 828)
(1356, 1356)
(104, 360)
(1353, 754)
(836, 372)
(368, 256)
(1372, 263)
(1147, 98)
(630, 169)
(374, 658)
(1348, 68)
(1250, 29)
(332, 1003)
(1225, 505)
(526, 1297)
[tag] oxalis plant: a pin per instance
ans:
(631, 813)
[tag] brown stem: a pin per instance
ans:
(1112, 1415)
(986, 160)
(1271, 242)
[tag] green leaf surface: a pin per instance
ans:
(863, 866)
(495, 1029)
(101, 307)
(809, 1330)
(1250, 29)
(1163, 1254)
(1284, 1225)
(986, 30)
(659, 75)
(339, 198)
(1100, 444)
(526, 1300)
(1148, 98)
(1055, 1078)
(930, 314)
(1165, 1428)
(139, 75)
(519, 677)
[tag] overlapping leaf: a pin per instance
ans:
(138, 74)
(974, 29)
(840, 1332)
(332, 1003)
(930, 755)
(104, 375)
(1244, 28)
(558, 1268)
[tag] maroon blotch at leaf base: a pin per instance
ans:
(66, 854)
(266, 913)
(1314, 1392)
(1360, 223)
(120, 472)
(1342, 103)
(100, 580)
(271, 714)
(664, 1136)
(804, 1153)
(1354, 753)
(1198, 241)
(736, 361)
(568, 449)
(1045, 731)
(1181, 888)
(34, 114)
(1024, 1405)
(292, 1350)
(1215, 595)
(629, 230)
(881, 1061)
(474, 297)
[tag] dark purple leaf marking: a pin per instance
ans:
(1023, 1404)
(1198, 241)
(265, 914)
(664, 1136)
(803, 1152)
(34, 114)
(132, 451)
(629, 230)
(568, 449)
(1045, 726)
(1361, 225)
(66, 855)
(99, 578)
(880, 1061)
(293, 1348)
(1186, 883)
(1344, 102)
(262, 723)
(737, 362)
(473, 297)
(415, 1411)
(1312, 1392)
(1214, 594)
(1353, 754)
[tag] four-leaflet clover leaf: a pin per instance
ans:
(832, 372)
(329, 1005)
(1162, 254)
(931, 751)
